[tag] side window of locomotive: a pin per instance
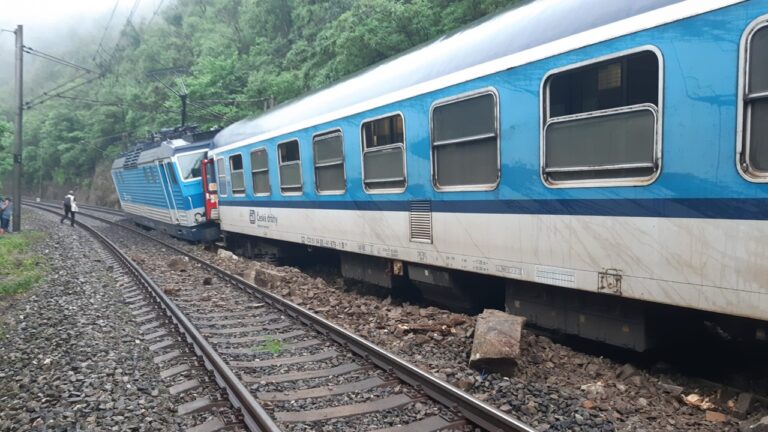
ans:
(329, 163)
(222, 177)
(383, 143)
(465, 143)
(236, 175)
(289, 161)
(755, 160)
(260, 172)
(602, 122)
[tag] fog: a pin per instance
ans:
(58, 27)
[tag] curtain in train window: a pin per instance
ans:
(602, 121)
(236, 174)
(465, 143)
(384, 154)
(757, 101)
(329, 163)
(222, 177)
(260, 172)
(290, 167)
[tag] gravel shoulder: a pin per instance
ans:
(72, 356)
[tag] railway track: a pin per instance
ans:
(113, 212)
(286, 368)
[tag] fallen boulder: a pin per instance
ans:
(742, 405)
(759, 426)
(178, 264)
(267, 277)
(496, 345)
(222, 253)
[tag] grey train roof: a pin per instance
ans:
(509, 32)
(150, 152)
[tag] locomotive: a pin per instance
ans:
(606, 171)
(159, 183)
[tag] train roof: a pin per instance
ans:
(536, 24)
(175, 142)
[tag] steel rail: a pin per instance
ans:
(111, 211)
(476, 411)
(255, 417)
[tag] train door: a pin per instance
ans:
(177, 195)
(209, 190)
(165, 181)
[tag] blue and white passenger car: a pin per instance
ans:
(159, 184)
(581, 150)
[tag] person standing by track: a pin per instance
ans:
(70, 207)
(5, 215)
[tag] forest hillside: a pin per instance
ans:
(234, 58)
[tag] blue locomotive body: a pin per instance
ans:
(159, 185)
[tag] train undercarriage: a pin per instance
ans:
(623, 322)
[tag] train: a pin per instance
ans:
(604, 172)
(159, 183)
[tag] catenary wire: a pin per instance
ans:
(38, 53)
(103, 34)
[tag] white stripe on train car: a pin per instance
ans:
(707, 264)
(185, 218)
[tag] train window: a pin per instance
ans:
(384, 154)
(329, 163)
(222, 177)
(602, 121)
(236, 174)
(754, 161)
(191, 166)
(465, 143)
(290, 167)
(260, 172)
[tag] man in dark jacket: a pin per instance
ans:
(69, 204)
(5, 215)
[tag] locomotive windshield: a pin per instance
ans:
(190, 165)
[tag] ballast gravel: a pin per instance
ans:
(251, 325)
(72, 357)
(554, 388)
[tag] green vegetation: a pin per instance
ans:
(19, 269)
(240, 57)
(6, 144)
(273, 345)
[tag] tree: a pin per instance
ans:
(239, 54)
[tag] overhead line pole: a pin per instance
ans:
(17, 145)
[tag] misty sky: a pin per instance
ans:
(55, 26)
(49, 24)
(46, 12)
(41, 18)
